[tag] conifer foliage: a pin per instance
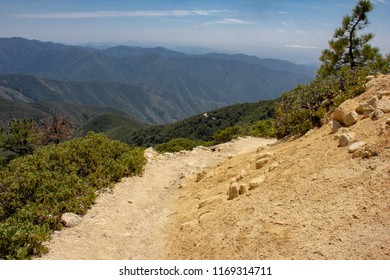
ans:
(348, 47)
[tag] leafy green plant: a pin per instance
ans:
(263, 128)
(21, 137)
(227, 134)
(303, 108)
(179, 144)
(35, 190)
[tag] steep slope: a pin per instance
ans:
(310, 199)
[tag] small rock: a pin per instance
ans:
(357, 154)
(242, 189)
(346, 139)
(350, 118)
(233, 190)
(264, 155)
(365, 154)
(384, 104)
(382, 128)
(388, 121)
(371, 149)
(260, 163)
(377, 114)
(367, 107)
(334, 126)
(383, 93)
(70, 219)
(273, 166)
(189, 225)
(241, 175)
(200, 176)
(260, 149)
(356, 146)
(256, 182)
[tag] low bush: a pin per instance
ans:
(263, 128)
(37, 189)
(302, 109)
(179, 144)
(228, 134)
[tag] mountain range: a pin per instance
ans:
(153, 85)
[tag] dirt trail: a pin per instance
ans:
(132, 222)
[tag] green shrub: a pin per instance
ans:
(263, 128)
(179, 144)
(227, 134)
(302, 109)
(37, 189)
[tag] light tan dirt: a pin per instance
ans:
(317, 201)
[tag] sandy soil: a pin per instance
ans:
(316, 201)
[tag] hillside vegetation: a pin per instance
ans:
(37, 189)
(113, 125)
(204, 126)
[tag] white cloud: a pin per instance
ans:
(300, 46)
(111, 14)
(230, 21)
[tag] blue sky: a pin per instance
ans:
(288, 29)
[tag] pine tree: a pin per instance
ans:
(22, 137)
(347, 47)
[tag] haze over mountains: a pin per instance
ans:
(153, 85)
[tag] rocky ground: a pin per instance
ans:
(325, 195)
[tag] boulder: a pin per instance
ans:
(70, 219)
(345, 114)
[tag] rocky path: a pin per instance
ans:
(133, 221)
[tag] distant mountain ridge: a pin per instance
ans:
(140, 103)
(154, 85)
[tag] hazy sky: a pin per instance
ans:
(297, 30)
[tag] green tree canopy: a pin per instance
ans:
(347, 47)
(21, 137)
